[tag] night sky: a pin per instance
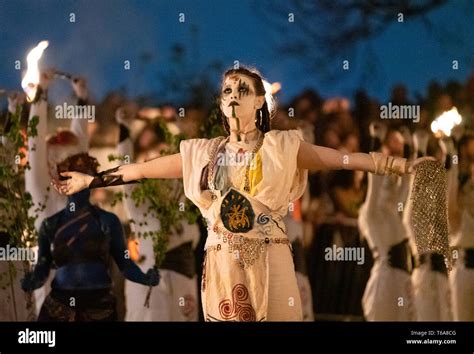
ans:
(108, 32)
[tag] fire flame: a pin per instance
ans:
(446, 122)
(32, 77)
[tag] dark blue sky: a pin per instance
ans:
(108, 32)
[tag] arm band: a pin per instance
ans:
(386, 165)
(107, 178)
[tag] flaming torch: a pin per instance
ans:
(32, 77)
(443, 125)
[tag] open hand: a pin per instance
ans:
(14, 99)
(75, 183)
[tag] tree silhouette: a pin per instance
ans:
(323, 32)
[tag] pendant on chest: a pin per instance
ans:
(236, 212)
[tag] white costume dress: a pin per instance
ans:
(431, 291)
(462, 277)
(176, 297)
(248, 271)
(388, 295)
(295, 234)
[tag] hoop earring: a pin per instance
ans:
(258, 118)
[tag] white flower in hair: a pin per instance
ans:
(270, 90)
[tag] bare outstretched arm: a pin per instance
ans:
(169, 166)
(317, 158)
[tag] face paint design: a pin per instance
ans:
(238, 97)
(233, 104)
(244, 89)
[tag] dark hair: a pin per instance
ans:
(262, 116)
(63, 137)
(82, 162)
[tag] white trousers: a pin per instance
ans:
(388, 295)
(432, 295)
(462, 287)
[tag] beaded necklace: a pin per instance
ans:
(212, 159)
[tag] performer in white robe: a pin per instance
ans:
(431, 290)
(43, 160)
(176, 297)
(295, 228)
(462, 276)
(248, 270)
(388, 295)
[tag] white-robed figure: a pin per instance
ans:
(462, 276)
(243, 184)
(45, 153)
(295, 228)
(176, 296)
(432, 296)
(388, 295)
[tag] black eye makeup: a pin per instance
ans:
(244, 89)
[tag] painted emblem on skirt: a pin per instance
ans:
(237, 309)
(236, 212)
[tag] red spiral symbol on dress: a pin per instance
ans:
(236, 308)
(226, 310)
(240, 293)
(246, 314)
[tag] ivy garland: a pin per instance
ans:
(16, 222)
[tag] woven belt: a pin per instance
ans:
(469, 257)
(436, 262)
(245, 250)
(399, 256)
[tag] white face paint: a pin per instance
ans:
(238, 98)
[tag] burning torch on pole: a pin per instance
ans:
(443, 125)
(32, 77)
(30, 84)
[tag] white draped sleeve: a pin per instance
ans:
(282, 180)
(195, 156)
